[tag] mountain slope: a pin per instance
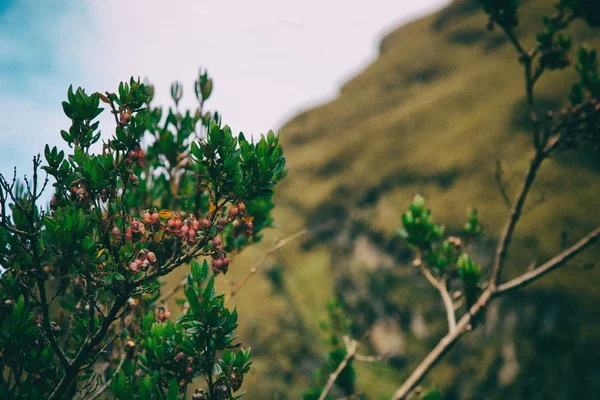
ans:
(431, 115)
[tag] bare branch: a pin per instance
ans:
(498, 174)
(273, 248)
(351, 350)
(103, 388)
(464, 324)
(370, 359)
(515, 214)
(550, 265)
(446, 298)
(449, 305)
(442, 347)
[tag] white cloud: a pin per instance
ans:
(269, 58)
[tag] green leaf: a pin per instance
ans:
(173, 390)
(261, 148)
(204, 271)
(192, 296)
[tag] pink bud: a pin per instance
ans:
(151, 257)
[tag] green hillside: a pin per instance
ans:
(443, 101)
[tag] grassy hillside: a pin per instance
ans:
(431, 115)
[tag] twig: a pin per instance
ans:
(446, 298)
(88, 345)
(464, 324)
(102, 388)
(171, 292)
(370, 359)
(276, 246)
(515, 214)
(550, 265)
(501, 186)
(351, 350)
(449, 305)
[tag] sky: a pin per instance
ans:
(269, 59)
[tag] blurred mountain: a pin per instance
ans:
(432, 115)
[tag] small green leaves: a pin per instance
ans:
(81, 109)
(468, 270)
(554, 47)
(472, 227)
(419, 229)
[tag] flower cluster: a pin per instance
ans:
(144, 260)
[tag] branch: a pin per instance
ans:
(498, 175)
(443, 289)
(370, 359)
(449, 305)
(351, 349)
(550, 265)
(88, 345)
(274, 247)
(442, 347)
(514, 40)
(102, 388)
(515, 214)
(464, 324)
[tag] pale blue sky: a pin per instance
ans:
(269, 58)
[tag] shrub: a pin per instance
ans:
(81, 308)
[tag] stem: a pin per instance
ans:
(549, 266)
(351, 350)
(515, 214)
(464, 324)
(276, 246)
(86, 348)
(443, 289)
(442, 347)
(449, 305)
(102, 388)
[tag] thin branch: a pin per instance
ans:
(498, 174)
(515, 41)
(171, 292)
(464, 324)
(102, 351)
(550, 265)
(352, 347)
(370, 359)
(449, 305)
(351, 350)
(446, 298)
(102, 388)
(276, 246)
(515, 214)
(88, 345)
(442, 348)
